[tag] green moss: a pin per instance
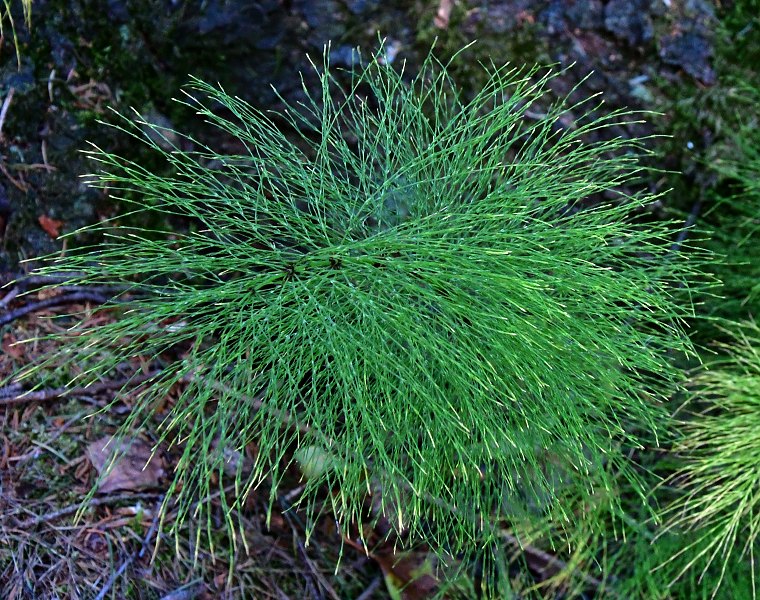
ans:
(522, 45)
(712, 141)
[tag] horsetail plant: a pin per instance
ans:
(450, 303)
(720, 470)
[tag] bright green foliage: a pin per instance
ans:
(721, 448)
(632, 555)
(428, 294)
(649, 567)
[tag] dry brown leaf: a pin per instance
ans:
(408, 575)
(11, 348)
(136, 467)
(50, 226)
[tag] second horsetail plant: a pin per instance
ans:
(720, 447)
(453, 305)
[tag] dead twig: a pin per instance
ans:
(73, 508)
(27, 282)
(51, 79)
(318, 578)
(189, 591)
(6, 106)
(133, 557)
(12, 395)
(83, 296)
(371, 589)
(33, 166)
(9, 297)
(18, 183)
(548, 565)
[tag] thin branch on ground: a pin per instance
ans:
(371, 589)
(26, 282)
(13, 395)
(73, 508)
(83, 296)
(9, 297)
(6, 105)
(318, 577)
(132, 558)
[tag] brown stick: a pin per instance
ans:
(84, 296)
(70, 510)
(133, 557)
(12, 395)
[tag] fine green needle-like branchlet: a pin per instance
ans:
(720, 476)
(454, 304)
